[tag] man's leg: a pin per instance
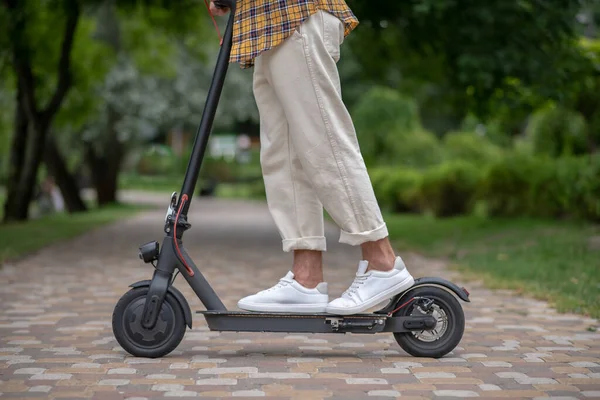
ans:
(295, 207)
(304, 76)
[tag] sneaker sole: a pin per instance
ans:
(284, 308)
(373, 301)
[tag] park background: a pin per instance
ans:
(479, 123)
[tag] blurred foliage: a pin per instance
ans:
(434, 88)
(379, 116)
(390, 132)
(449, 189)
(478, 47)
(396, 188)
(521, 185)
(557, 131)
(470, 146)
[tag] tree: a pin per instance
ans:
(477, 53)
(43, 73)
(35, 109)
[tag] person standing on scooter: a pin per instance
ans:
(310, 156)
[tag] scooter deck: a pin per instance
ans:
(244, 321)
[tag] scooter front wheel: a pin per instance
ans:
(157, 342)
(449, 329)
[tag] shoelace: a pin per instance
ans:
(282, 282)
(358, 281)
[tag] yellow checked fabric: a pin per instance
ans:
(261, 25)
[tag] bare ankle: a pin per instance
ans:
(379, 254)
(308, 268)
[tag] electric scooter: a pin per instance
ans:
(150, 319)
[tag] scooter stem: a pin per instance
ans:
(208, 115)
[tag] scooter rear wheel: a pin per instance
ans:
(159, 341)
(450, 325)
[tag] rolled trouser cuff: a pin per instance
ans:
(305, 243)
(355, 239)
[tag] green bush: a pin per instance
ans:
(417, 149)
(556, 131)
(471, 147)
(395, 188)
(521, 185)
(217, 169)
(587, 188)
(379, 117)
(156, 160)
(507, 183)
(449, 189)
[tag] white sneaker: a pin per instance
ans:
(371, 288)
(288, 296)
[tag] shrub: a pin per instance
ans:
(521, 185)
(471, 147)
(379, 117)
(587, 188)
(257, 190)
(395, 188)
(449, 189)
(556, 131)
(417, 149)
(217, 169)
(156, 160)
(506, 185)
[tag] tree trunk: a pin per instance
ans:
(106, 164)
(33, 123)
(104, 169)
(63, 178)
(13, 210)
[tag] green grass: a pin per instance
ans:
(551, 260)
(159, 183)
(22, 238)
(243, 190)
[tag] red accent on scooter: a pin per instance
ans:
(214, 23)
(187, 267)
(392, 312)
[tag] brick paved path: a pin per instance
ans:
(56, 339)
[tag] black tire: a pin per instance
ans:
(140, 342)
(451, 336)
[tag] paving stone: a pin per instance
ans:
(122, 371)
(29, 371)
(248, 393)
(56, 338)
(167, 387)
(50, 377)
(228, 370)
(502, 364)
(455, 393)
(279, 375)
(556, 398)
(114, 382)
(366, 381)
(489, 387)
(425, 375)
(161, 376)
(42, 389)
(395, 371)
(216, 382)
(181, 393)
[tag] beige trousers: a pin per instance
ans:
(310, 156)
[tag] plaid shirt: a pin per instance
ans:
(261, 25)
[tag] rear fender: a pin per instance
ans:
(460, 292)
